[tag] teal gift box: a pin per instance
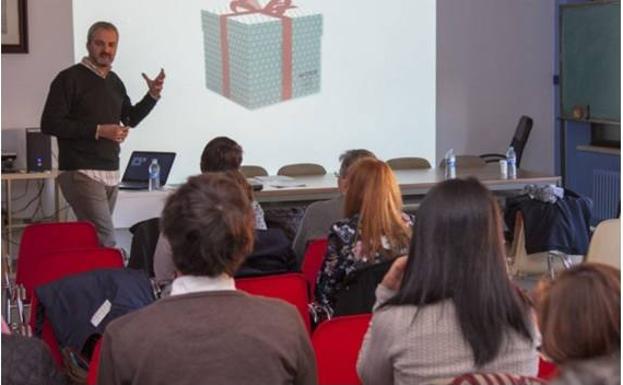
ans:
(258, 57)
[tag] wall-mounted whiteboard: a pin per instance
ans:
(377, 83)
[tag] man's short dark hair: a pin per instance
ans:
(209, 223)
(349, 157)
(221, 154)
(100, 25)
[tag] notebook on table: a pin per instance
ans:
(136, 175)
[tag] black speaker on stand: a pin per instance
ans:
(38, 151)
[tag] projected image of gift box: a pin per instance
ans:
(257, 56)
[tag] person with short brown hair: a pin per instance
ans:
(207, 331)
(209, 225)
(579, 314)
(319, 216)
(221, 154)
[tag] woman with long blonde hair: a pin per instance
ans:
(374, 231)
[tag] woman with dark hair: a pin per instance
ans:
(449, 307)
(580, 318)
(221, 154)
(225, 154)
(375, 231)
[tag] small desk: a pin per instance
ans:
(7, 180)
(135, 206)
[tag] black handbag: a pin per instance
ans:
(357, 293)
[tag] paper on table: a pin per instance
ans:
(280, 181)
(283, 184)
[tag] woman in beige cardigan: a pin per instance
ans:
(449, 307)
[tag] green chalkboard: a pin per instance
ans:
(591, 61)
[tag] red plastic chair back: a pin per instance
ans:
(337, 343)
(312, 261)
(547, 370)
(94, 364)
(60, 265)
(41, 239)
(291, 288)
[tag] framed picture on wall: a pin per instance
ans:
(14, 26)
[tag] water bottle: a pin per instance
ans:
(154, 175)
(450, 160)
(511, 159)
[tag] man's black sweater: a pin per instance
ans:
(78, 101)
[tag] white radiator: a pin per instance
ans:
(606, 194)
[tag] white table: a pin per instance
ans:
(135, 206)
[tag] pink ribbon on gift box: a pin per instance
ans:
(275, 8)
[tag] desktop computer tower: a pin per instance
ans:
(38, 151)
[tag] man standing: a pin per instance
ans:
(90, 113)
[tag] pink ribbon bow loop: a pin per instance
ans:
(249, 5)
(278, 7)
(274, 7)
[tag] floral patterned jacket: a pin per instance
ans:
(344, 256)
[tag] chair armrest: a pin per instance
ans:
(491, 158)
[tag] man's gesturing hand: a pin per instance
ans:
(155, 85)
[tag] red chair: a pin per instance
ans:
(94, 364)
(291, 288)
(312, 261)
(547, 370)
(337, 343)
(41, 239)
(62, 264)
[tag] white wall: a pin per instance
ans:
(25, 82)
(26, 77)
(495, 62)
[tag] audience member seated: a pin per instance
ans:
(319, 216)
(375, 231)
(449, 308)
(220, 154)
(207, 331)
(224, 154)
(271, 254)
(580, 319)
(27, 361)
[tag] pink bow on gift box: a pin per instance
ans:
(275, 8)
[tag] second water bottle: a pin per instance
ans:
(154, 175)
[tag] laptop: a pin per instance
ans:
(136, 175)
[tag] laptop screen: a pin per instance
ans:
(137, 170)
